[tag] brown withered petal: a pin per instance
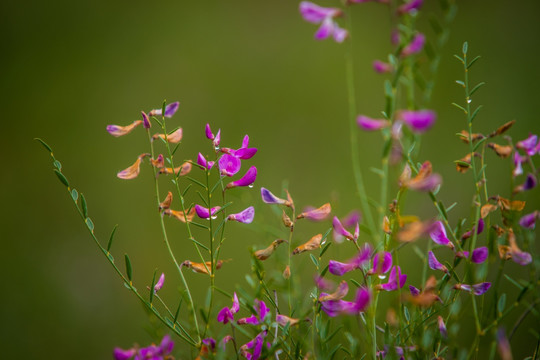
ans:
(431, 283)
(504, 252)
(405, 176)
(265, 253)
(428, 295)
(158, 163)
(498, 230)
(312, 244)
(391, 317)
(317, 214)
(181, 170)
(392, 207)
(200, 267)
(464, 136)
(286, 220)
(487, 209)
(133, 171)
(339, 294)
(172, 138)
(287, 272)
(414, 231)
(180, 214)
(284, 320)
(167, 202)
(503, 128)
(290, 202)
(386, 225)
(514, 205)
(502, 151)
(464, 163)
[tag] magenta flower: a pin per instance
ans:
(411, 6)
(325, 16)
(121, 354)
(414, 290)
(479, 255)
(243, 152)
(339, 268)
(256, 344)
(246, 216)
(395, 280)
(146, 120)
(170, 110)
(261, 309)
(529, 221)
(415, 46)
(229, 165)
(323, 284)
(336, 307)
(204, 213)
(438, 235)
(160, 283)
(201, 160)
(216, 139)
(530, 183)
(529, 145)
(349, 221)
(434, 264)
(381, 67)
(469, 233)
(270, 198)
(442, 327)
(369, 124)
(477, 289)
(247, 180)
(227, 314)
(340, 230)
(382, 262)
(419, 121)
(150, 352)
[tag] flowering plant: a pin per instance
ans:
(290, 312)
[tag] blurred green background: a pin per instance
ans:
(71, 68)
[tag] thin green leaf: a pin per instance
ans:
(199, 225)
(377, 171)
(356, 283)
(478, 143)
(61, 177)
(329, 337)
(476, 88)
(175, 148)
(44, 144)
(465, 48)
(388, 91)
(502, 303)
(476, 112)
(459, 82)
(74, 195)
(158, 122)
(57, 164)
(462, 163)
(84, 207)
(177, 311)
(473, 61)
(129, 270)
(215, 186)
(203, 199)
(89, 223)
(406, 314)
(227, 294)
(196, 182)
(460, 107)
(152, 287)
(199, 244)
(324, 249)
(109, 244)
(450, 207)
(163, 107)
(314, 259)
(325, 270)
(459, 58)
(223, 207)
(186, 190)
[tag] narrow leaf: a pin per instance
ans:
(90, 224)
(356, 283)
(129, 270)
(196, 182)
(61, 177)
(476, 112)
(476, 88)
(324, 249)
(44, 144)
(177, 311)
(406, 314)
(74, 195)
(459, 58)
(314, 259)
(460, 107)
(57, 164)
(472, 62)
(84, 206)
(199, 244)
(502, 303)
(109, 244)
(152, 287)
(175, 148)
(465, 48)
(186, 190)
(459, 82)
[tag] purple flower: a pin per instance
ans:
(442, 327)
(479, 255)
(261, 309)
(381, 67)
(336, 307)
(227, 314)
(415, 46)
(216, 139)
(160, 283)
(325, 16)
(201, 160)
(270, 198)
(247, 180)
(395, 280)
(414, 291)
(518, 160)
(340, 230)
(204, 213)
(382, 262)
(229, 165)
(121, 354)
(434, 264)
(256, 344)
(419, 121)
(352, 219)
(146, 120)
(150, 352)
(369, 124)
(411, 6)
(116, 130)
(469, 233)
(339, 268)
(529, 221)
(243, 152)
(316, 214)
(530, 183)
(322, 283)
(246, 216)
(477, 289)
(529, 145)
(438, 235)
(170, 110)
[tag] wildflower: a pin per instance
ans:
(284, 320)
(464, 164)
(419, 121)
(513, 251)
(244, 152)
(180, 215)
(382, 262)
(247, 180)
(427, 296)
(316, 214)
(133, 171)
(414, 230)
(487, 209)
(159, 162)
(339, 229)
(166, 204)
(442, 327)
(208, 346)
(382, 67)
(159, 283)
(395, 280)
(256, 344)
(311, 244)
(181, 170)
(500, 150)
(205, 213)
(201, 160)
(229, 165)
(479, 230)
(227, 314)
(261, 310)
(415, 46)
(369, 124)
(116, 130)
(410, 7)
(146, 121)
(173, 138)
(518, 160)
(530, 183)
(529, 145)
(270, 198)
(339, 294)
(434, 264)
(529, 221)
(216, 139)
(322, 283)
(477, 289)
(202, 268)
(324, 16)
(438, 235)
(150, 352)
(287, 220)
(479, 255)
(246, 216)
(265, 253)
(170, 110)
(424, 180)
(349, 221)
(225, 340)
(336, 307)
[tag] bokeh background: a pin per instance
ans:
(70, 68)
